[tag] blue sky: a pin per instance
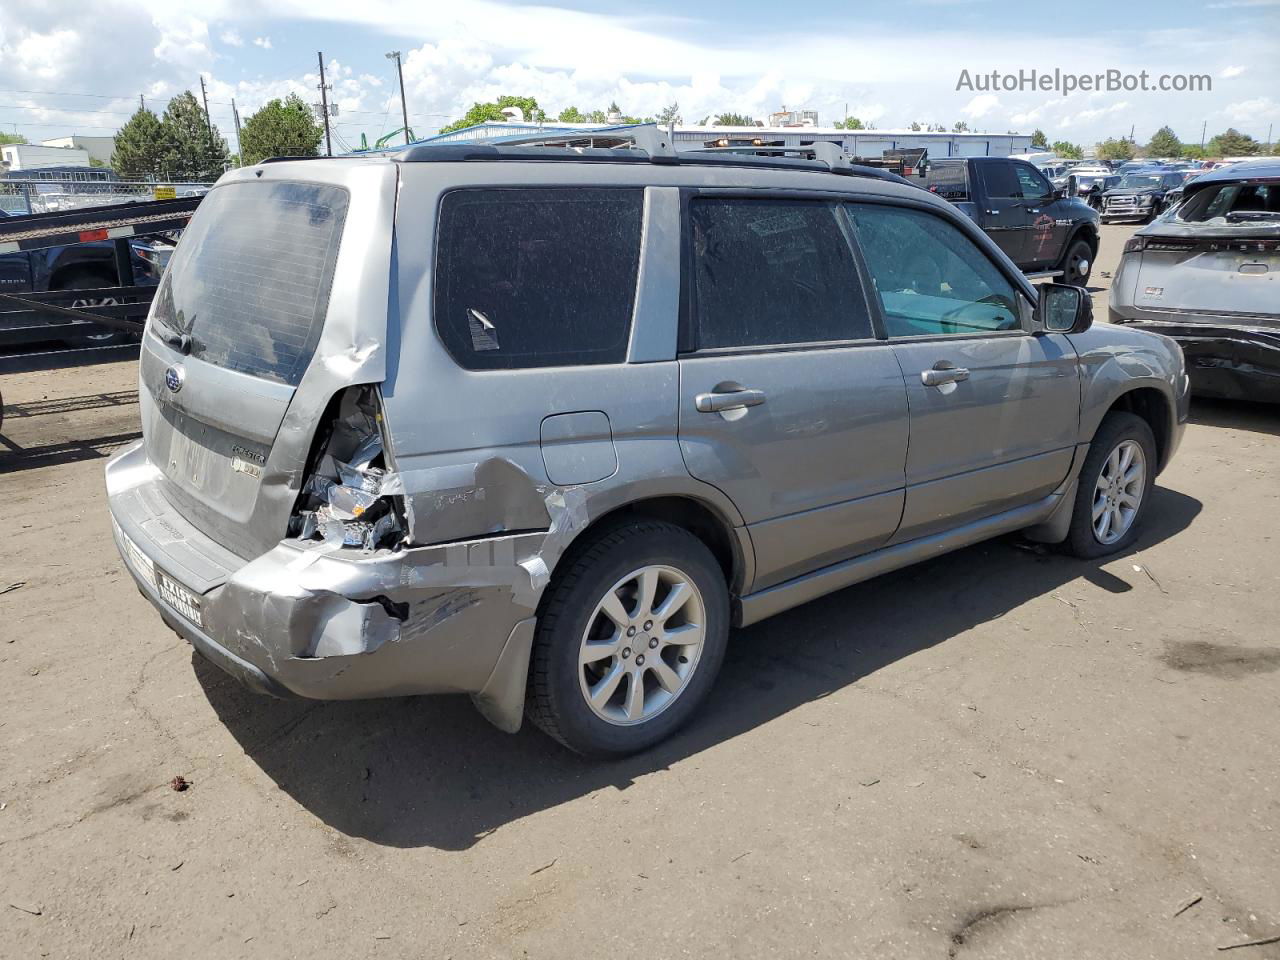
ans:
(69, 66)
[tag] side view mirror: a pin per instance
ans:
(1072, 186)
(1059, 193)
(1064, 309)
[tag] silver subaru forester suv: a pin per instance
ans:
(542, 425)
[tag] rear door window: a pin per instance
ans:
(250, 279)
(771, 272)
(537, 277)
(999, 179)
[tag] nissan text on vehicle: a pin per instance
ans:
(543, 425)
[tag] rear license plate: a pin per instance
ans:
(180, 598)
(139, 560)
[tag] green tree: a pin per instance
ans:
(669, 115)
(192, 150)
(850, 123)
(1068, 150)
(914, 126)
(1113, 149)
(140, 145)
(12, 138)
(960, 127)
(1038, 139)
(734, 120)
(492, 112)
(282, 128)
(1232, 143)
(1164, 143)
(572, 115)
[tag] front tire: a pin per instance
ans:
(630, 639)
(1114, 487)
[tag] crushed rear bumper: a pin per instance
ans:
(1227, 358)
(338, 624)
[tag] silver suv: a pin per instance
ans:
(541, 425)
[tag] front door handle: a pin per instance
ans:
(729, 400)
(943, 372)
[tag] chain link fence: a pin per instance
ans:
(18, 196)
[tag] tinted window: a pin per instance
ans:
(537, 277)
(999, 179)
(773, 272)
(250, 278)
(930, 277)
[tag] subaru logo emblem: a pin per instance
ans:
(173, 378)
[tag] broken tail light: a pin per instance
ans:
(350, 499)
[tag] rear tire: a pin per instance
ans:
(607, 684)
(1101, 521)
(98, 336)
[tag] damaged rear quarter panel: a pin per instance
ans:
(468, 443)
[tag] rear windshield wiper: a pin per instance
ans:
(179, 341)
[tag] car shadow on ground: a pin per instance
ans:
(429, 771)
(1237, 415)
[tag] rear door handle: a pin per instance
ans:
(943, 372)
(730, 400)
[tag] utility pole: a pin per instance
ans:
(324, 107)
(404, 107)
(205, 96)
(1270, 127)
(1203, 127)
(236, 116)
(142, 102)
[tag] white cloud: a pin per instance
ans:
(980, 106)
(1229, 72)
(1253, 112)
(885, 74)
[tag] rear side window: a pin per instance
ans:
(999, 179)
(537, 277)
(768, 272)
(250, 279)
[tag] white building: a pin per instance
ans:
(17, 157)
(858, 143)
(98, 148)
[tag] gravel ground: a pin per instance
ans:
(1000, 753)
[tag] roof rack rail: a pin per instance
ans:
(642, 143)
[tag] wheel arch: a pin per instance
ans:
(728, 542)
(1155, 408)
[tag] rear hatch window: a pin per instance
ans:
(249, 284)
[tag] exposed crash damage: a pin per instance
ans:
(1208, 275)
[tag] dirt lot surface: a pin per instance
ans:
(1001, 753)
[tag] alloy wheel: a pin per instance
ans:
(1117, 495)
(96, 302)
(641, 645)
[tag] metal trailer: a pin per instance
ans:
(34, 317)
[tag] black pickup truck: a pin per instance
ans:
(1044, 229)
(82, 266)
